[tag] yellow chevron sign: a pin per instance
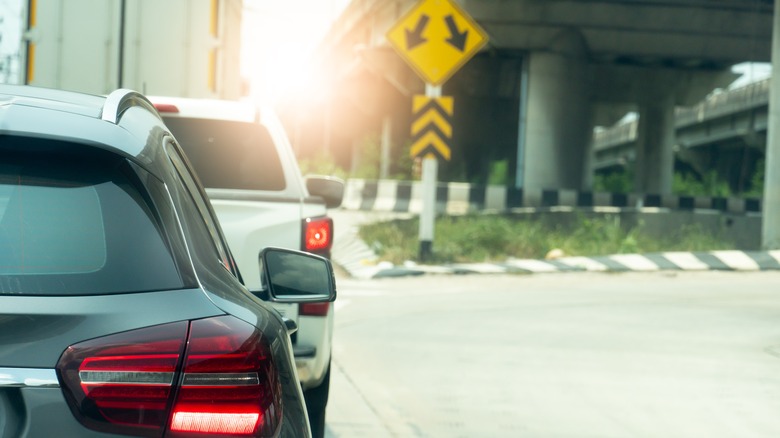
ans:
(432, 126)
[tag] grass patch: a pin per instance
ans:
(489, 238)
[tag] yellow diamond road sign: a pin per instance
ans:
(436, 37)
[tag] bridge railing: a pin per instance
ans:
(717, 105)
(727, 102)
(617, 135)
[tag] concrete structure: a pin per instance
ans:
(185, 48)
(726, 132)
(770, 227)
(552, 71)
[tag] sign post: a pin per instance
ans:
(436, 38)
(423, 147)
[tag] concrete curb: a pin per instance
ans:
(669, 261)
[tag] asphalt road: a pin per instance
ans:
(558, 355)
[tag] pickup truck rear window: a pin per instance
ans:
(78, 224)
(229, 155)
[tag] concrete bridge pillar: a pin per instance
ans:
(655, 146)
(556, 122)
(770, 224)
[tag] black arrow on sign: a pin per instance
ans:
(414, 37)
(457, 38)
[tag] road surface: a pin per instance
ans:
(558, 355)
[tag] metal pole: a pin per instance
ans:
(121, 51)
(770, 231)
(521, 126)
(428, 216)
(430, 167)
(384, 160)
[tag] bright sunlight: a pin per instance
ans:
(279, 38)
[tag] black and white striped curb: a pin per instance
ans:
(462, 198)
(731, 260)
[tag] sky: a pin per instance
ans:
(751, 72)
(279, 38)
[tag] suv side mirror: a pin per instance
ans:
(329, 188)
(290, 276)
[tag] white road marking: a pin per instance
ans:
(737, 260)
(532, 265)
(583, 263)
(635, 262)
(686, 261)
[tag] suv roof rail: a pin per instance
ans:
(120, 100)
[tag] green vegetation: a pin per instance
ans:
(707, 185)
(323, 164)
(756, 189)
(614, 182)
(684, 183)
(482, 238)
(499, 173)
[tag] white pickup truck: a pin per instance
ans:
(243, 157)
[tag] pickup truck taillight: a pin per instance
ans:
(313, 309)
(185, 379)
(317, 235)
(166, 108)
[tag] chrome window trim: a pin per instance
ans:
(28, 378)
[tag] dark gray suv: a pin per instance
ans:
(122, 311)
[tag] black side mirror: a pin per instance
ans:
(329, 188)
(290, 276)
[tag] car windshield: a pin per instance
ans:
(229, 155)
(77, 224)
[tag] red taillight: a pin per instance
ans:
(220, 381)
(317, 234)
(314, 309)
(124, 382)
(229, 384)
(166, 108)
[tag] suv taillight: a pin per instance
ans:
(183, 379)
(318, 235)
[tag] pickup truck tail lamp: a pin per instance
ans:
(314, 309)
(318, 235)
(185, 379)
(166, 108)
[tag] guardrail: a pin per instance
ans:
(463, 198)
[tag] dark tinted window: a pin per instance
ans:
(77, 223)
(198, 198)
(229, 155)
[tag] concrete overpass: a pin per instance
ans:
(726, 132)
(552, 71)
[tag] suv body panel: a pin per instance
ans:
(55, 322)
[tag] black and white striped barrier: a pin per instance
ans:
(462, 198)
(668, 261)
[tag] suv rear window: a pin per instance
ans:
(228, 154)
(77, 224)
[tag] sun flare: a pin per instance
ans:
(279, 39)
